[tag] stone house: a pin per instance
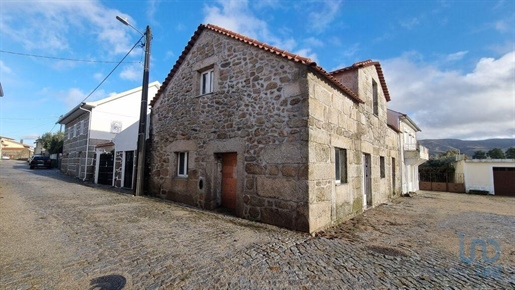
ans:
(271, 136)
(412, 153)
(90, 126)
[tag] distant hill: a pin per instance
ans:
(468, 147)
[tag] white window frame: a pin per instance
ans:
(75, 130)
(206, 81)
(182, 159)
(70, 128)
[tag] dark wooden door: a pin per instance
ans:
(129, 169)
(105, 169)
(229, 180)
(504, 181)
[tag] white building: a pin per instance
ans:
(412, 154)
(495, 176)
(92, 123)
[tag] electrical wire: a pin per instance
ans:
(116, 66)
(62, 58)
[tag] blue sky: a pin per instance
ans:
(449, 65)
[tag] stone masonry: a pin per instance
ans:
(282, 119)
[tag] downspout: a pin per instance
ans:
(87, 145)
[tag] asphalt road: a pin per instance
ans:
(59, 233)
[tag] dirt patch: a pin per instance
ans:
(436, 220)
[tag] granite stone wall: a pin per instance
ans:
(258, 109)
(284, 121)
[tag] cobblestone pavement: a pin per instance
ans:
(57, 233)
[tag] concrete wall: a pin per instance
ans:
(478, 173)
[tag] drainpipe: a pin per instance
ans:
(87, 145)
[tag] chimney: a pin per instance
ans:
(21, 141)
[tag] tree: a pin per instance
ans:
(496, 153)
(480, 154)
(510, 153)
(52, 142)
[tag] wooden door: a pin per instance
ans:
(229, 180)
(504, 181)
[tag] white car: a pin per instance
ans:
(5, 157)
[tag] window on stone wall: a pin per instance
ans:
(375, 97)
(382, 166)
(69, 132)
(182, 164)
(340, 162)
(75, 130)
(206, 81)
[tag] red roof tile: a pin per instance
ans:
(366, 63)
(261, 45)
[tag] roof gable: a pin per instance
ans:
(255, 43)
(367, 63)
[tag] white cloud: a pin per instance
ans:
(4, 68)
(410, 23)
(456, 56)
(306, 52)
(50, 25)
(451, 104)
(323, 15)
(74, 96)
(131, 73)
(236, 16)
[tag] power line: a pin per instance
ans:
(62, 58)
(115, 67)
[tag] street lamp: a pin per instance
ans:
(142, 132)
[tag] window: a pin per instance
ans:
(206, 82)
(70, 132)
(75, 130)
(381, 165)
(375, 98)
(182, 164)
(340, 162)
(82, 127)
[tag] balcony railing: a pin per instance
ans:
(415, 153)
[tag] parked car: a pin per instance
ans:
(40, 161)
(5, 157)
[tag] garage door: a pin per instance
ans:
(504, 181)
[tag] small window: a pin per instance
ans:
(182, 164)
(381, 164)
(82, 127)
(340, 162)
(206, 82)
(75, 130)
(70, 132)
(375, 98)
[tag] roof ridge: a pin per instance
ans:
(256, 43)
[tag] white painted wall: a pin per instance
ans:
(478, 173)
(123, 109)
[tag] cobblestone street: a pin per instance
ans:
(58, 233)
